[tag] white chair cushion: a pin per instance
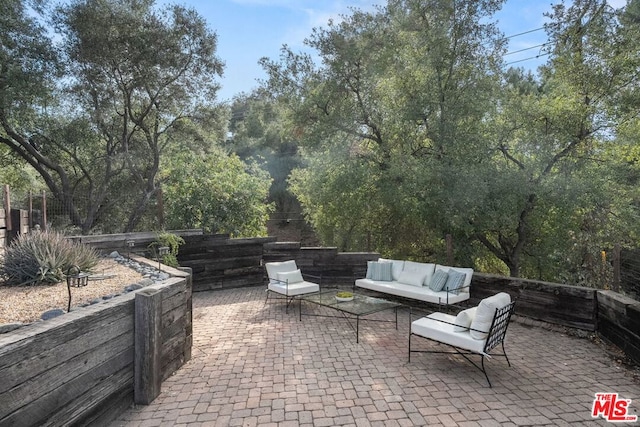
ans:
(485, 312)
(295, 288)
(439, 327)
(413, 278)
(273, 268)
(464, 319)
(290, 277)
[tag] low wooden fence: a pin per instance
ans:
(86, 367)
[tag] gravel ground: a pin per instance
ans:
(25, 304)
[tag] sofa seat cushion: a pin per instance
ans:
(294, 289)
(421, 293)
(439, 327)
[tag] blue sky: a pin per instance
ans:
(250, 29)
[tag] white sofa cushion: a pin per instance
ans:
(396, 267)
(439, 327)
(420, 293)
(485, 312)
(464, 319)
(290, 276)
(273, 268)
(413, 278)
(421, 267)
(438, 280)
(379, 271)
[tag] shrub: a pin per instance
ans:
(43, 257)
(170, 240)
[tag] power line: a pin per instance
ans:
(526, 48)
(527, 59)
(524, 32)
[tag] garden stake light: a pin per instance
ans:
(130, 244)
(162, 251)
(76, 279)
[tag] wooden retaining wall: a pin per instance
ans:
(323, 264)
(78, 368)
(619, 322)
(565, 305)
(219, 262)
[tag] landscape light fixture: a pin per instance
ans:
(77, 279)
(162, 251)
(130, 244)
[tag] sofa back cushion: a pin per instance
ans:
(396, 267)
(420, 267)
(380, 271)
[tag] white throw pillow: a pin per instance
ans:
(290, 277)
(424, 268)
(464, 319)
(413, 278)
(485, 312)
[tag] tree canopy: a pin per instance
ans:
(99, 103)
(415, 129)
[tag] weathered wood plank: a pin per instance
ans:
(45, 382)
(147, 378)
(48, 409)
(50, 357)
(39, 341)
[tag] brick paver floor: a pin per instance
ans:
(254, 365)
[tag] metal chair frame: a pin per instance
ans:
(495, 336)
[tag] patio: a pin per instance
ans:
(255, 365)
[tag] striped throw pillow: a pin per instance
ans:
(380, 271)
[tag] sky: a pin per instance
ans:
(251, 29)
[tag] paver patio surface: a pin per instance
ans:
(255, 365)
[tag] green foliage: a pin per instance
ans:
(171, 241)
(216, 192)
(44, 257)
(138, 83)
(413, 131)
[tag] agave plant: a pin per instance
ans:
(43, 257)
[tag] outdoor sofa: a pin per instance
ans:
(432, 283)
